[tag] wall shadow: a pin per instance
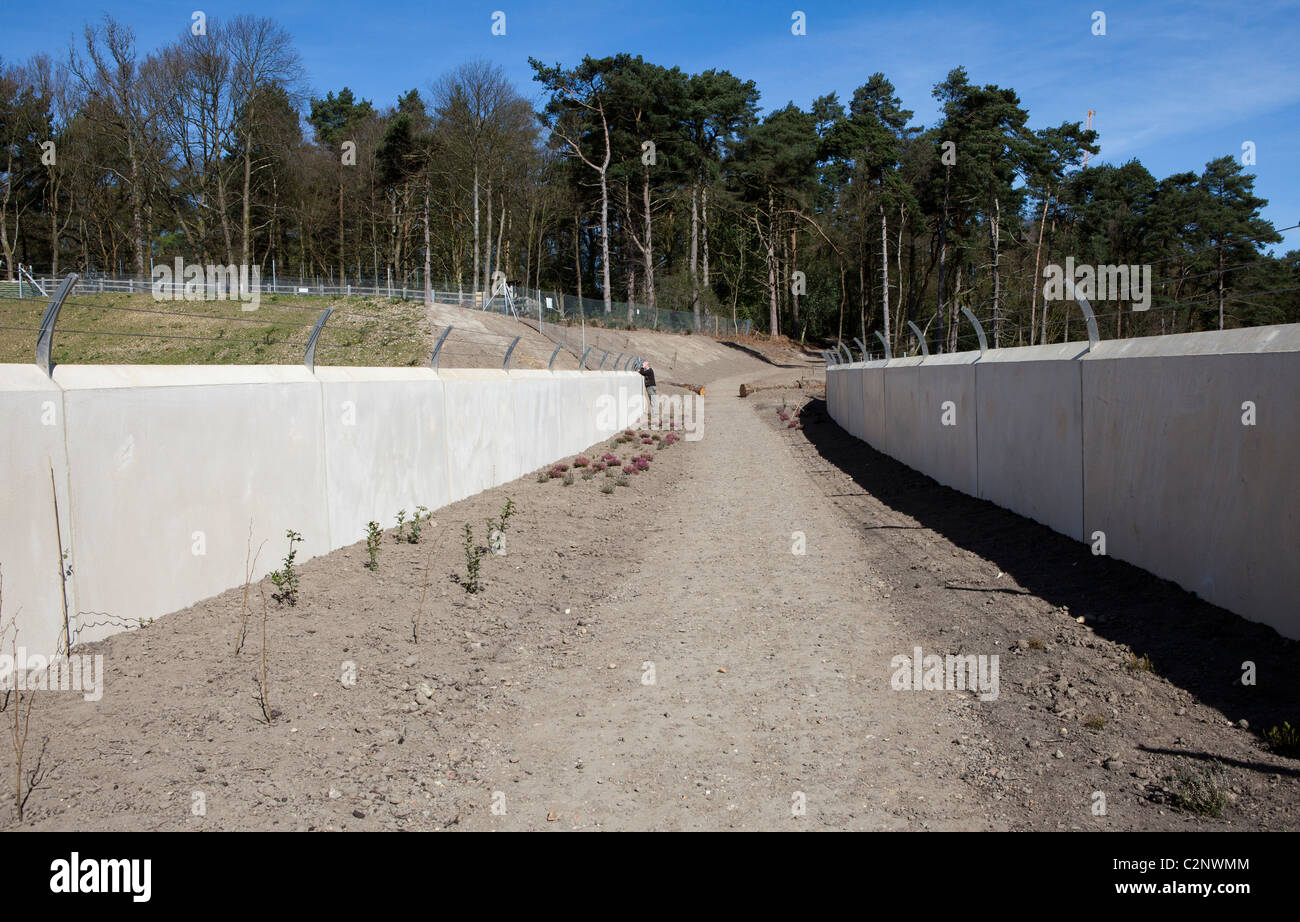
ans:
(1197, 646)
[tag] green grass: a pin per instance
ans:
(362, 331)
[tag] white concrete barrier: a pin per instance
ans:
(1030, 433)
(168, 468)
(1181, 484)
(162, 470)
(1181, 450)
(32, 431)
(930, 419)
(385, 446)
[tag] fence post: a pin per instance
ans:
(437, 348)
(505, 365)
(1089, 317)
(925, 350)
(309, 357)
(45, 339)
(979, 330)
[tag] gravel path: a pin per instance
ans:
(768, 681)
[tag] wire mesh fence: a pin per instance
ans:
(547, 305)
(83, 325)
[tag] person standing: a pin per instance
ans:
(648, 378)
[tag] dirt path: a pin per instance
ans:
(768, 672)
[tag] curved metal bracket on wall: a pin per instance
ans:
(880, 336)
(45, 339)
(601, 366)
(437, 348)
(309, 357)
(861, 348)
(617, 360)
(505, 364)
(582, 362)
(1089, 317)
(847, 354)
(550, 366)
(916, 331)
(828, 358)
(979, 330)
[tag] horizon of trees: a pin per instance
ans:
(636, 182)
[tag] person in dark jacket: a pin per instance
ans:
(648, 374)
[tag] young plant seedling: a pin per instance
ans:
(422, 515)
(373, 534)
(286, 578)
(474, 554)
(400, 534)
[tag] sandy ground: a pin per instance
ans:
(664, 657)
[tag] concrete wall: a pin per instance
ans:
(1140, 439)
(31, 443)
(163, 471)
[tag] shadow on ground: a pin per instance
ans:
(1198, 646)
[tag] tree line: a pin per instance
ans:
(633, 182)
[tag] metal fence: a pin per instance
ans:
(207, 332)
(544, 305)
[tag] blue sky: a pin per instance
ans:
(1173, 84)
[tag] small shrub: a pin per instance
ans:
(611, 471)
(543, 476)
(400, 534)
(421, 516)
(588, 474)
(568, 480)
(628, 469)
(373, 535)
(623, 482)
(607, 488)
(1198, 793)
(285, 579)
(1095, 722)
(1036, 643)
(581, 461)
(556, 473)
(474, 554)
(1140, 663)
(1284, 740)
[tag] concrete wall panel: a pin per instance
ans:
(168, 467)
(482, 450)
(1030, 432)
(32, 423)
(915, 395)
(385, 446)
(1182, 488)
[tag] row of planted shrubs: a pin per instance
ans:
(611, 465)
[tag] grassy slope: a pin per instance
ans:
(362, 331)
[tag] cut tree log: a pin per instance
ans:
(801, 384)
